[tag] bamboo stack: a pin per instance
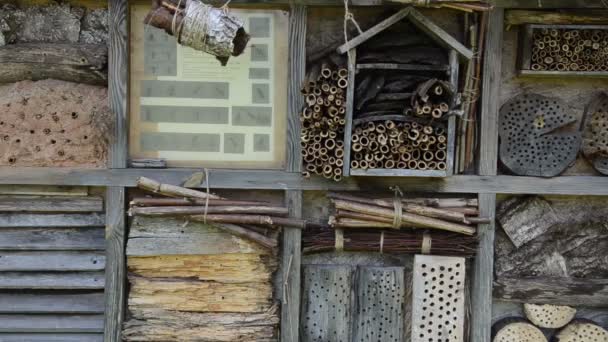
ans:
(566, 49)
(247, 219)
(402, 145)
(433, 99)
(381, 213)
(323, 121)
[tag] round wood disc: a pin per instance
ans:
(583, 331)
(534, 140)
(516, 330)
(595, 133)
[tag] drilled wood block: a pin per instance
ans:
(438, 299)
(380, 299)
(595, 133)
(326, 312)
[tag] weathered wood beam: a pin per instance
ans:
(51, 204)
(52, 280)
(8, 220)
(80, 303)
(556, 291)
(56, 261)
(518, 17)
(51, 324)
(80, 63)
(51, 337)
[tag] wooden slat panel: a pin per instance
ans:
(56, 281)
(80, 303)
(51, 220)
(51, 323)
(52, 261)
(52, 337)
(51, 204)
(22, 239)
(46, 190)
(169, 236)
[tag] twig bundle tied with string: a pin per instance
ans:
(200, 26)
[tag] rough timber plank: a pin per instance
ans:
(557, 291)
(51, 204)
(51, 323)
(52, 261)
(454, 77)
(327, 301)
(115, 263)
(481, 286)
(50, 337)
(295, 101)
(52, 281)
(13, 220)
(63, 239)
(37, 303)
(44, 190)
(291, 256)
(350, 109)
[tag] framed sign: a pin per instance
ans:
(188, 109)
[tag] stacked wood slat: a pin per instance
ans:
(323, 120)
(567, 49)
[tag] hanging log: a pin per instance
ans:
(171, 190)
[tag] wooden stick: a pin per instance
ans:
(252, 219)
(354, 223)
(248, 234)
(161, 202)
(197, 210)
(406, 218)
(171, 190)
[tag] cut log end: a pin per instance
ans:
(516, 329)
(582, 331)
(549, 316)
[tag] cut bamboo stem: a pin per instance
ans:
(160, 202)
(197, 210)
(171, 190)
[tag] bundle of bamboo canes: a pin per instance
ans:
(247, 219)
(402, 145)
(321, 239)
(323, 120)
(567, 49)
(433, 98)
(382, 213)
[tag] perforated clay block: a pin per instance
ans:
(595, 133)
(438, 299)
(534, 140)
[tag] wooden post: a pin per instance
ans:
(481, 316)
(118, 57)
(292, 238)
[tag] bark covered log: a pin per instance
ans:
(523, 221)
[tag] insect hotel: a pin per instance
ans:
(331, 171)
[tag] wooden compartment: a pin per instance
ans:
(530, 63)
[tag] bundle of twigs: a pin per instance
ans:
(323, 239)
(323, 120)
(247, 219)
(363, 212)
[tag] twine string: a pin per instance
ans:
(193, 32)
(349, 16)
(398, 206)
(381, 241)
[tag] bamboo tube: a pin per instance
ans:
(171, 190)
(252, 219)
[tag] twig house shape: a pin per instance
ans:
(457, 51)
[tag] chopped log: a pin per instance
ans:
(556, 291)
(251, 219)
(582, 331)
(525, 220)
(516, 329)
(171, 190)
(160, 202)
(199, 210)
(166, 325)
(79, 63)
(549, 316)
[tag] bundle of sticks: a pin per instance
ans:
(453, 215)
(323, 120)
(566, 49)
(323, 239)
(247, 219)
(433, 98)
(401, 145)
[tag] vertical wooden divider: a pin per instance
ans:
(481, 292)
(292, 238)
(118, 57)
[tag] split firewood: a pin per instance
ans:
(582, 331)
(549, 316)
(516, 330)
(523, 221)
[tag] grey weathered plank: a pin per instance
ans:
(167, 236)
(50, 337)
(439, 35)
(327, 303)
(46, 190)
(115, 275)
(295, 101)
(398, 172)
(27, 239)
(381, 26)
(291, 256)
(557, 291)
(50, 280)
(454, 77)
(409, 67)
(350, 109)
(379, 305)
(51, 204)
(40, 303)
(52, 261)
(557, 74)
(10, 220)
(51, 323)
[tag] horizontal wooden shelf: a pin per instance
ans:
(553, 73)
(407, 67)
(398, 173)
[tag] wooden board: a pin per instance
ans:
(50, 337)
(54, 281)
(52, 261)
(51, 204)
(51, 323)
(46, 190)
(37, 303)
(74, 239)
(11, 220)
(327, 304)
